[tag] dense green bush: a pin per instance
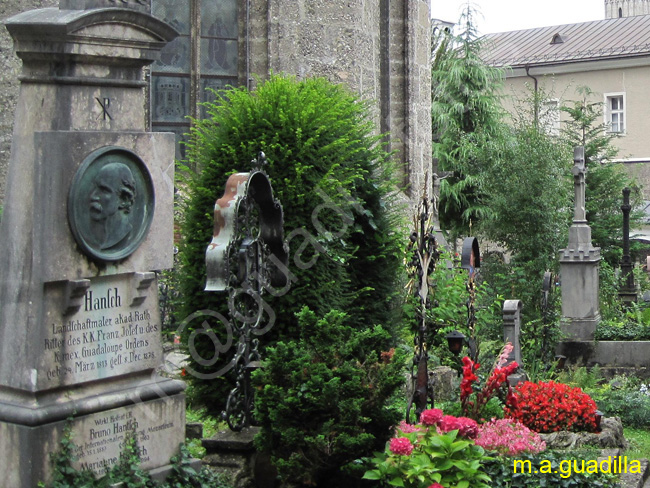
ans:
(332, 177)
(323, 399)
(631, 404)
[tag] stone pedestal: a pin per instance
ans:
(87, 221)
(580, 283)
(579, 266)
(233, 453)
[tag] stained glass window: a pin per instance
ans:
(216, 39)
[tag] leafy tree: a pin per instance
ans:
(332, 177)
(605, 179)
(529, 194)
(465, 113)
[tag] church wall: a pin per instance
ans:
(9, 69)
(379, 48)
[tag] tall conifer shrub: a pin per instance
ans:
(332, 177)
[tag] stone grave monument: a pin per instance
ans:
(579, 263)
(87, 220)
(511, 334)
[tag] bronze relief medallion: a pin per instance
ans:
(111, 204)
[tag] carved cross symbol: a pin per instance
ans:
(104, 105)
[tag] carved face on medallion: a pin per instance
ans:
(111, 200)
(110, 205)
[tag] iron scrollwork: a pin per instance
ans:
(424, 256)
(246, 257)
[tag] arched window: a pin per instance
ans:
(620, 12)
(182, 78)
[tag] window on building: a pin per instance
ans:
(201, 59)
(615, 112)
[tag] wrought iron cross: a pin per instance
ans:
(241, 259)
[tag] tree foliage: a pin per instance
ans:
(330, 173)
(465, 113)
(529, 195)
(605, 179)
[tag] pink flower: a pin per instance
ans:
(509, 437)
(436, 485)
(466, 427)
(407, 428)
(503, 358)
(401, 446)
(431, 416)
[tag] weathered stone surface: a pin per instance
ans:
(446, 383)
(9, 70)
(614, 357)
(636, 480)
(79, 337)
(194, 430)
(233, 453)
(158, 424)
(611, 436)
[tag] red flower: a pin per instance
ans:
(401, 446)
(431, 416)
(550, 407)
(436, 485)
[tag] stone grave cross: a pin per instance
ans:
(579, 265)
(579, 171)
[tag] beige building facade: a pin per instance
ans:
(611, 57)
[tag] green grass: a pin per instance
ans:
(210, 427)
(639, 440)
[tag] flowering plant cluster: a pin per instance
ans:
(509, 438)
(473, 405)
(550, 407)
(436, 453)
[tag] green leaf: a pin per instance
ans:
(372, 475)
(396, 482)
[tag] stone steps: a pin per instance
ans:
(637, 480)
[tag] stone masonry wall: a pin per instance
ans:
(379, 48)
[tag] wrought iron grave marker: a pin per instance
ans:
(245, 258)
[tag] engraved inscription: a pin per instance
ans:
(100, 438)
(104, 104)
(105, 338)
